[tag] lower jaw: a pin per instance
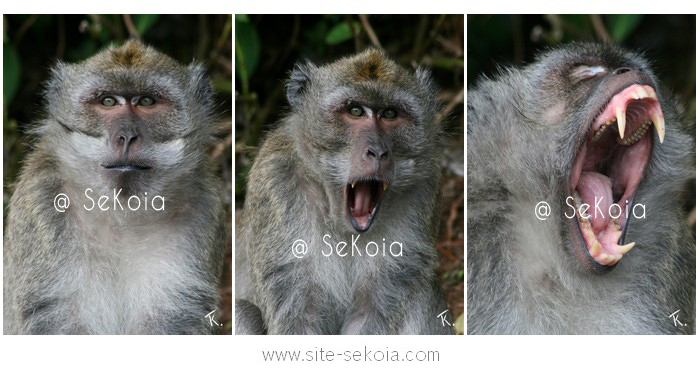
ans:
(356, 226)
(586, 244)
(577, 245)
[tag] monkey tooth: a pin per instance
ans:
(603, 246)
(620, 116)
(607, 170)
(659, 125)
(631, 108)
(353, 184)
(636, 135)
(626, 248)
(386, 184)
(599, 132)
(642, 93)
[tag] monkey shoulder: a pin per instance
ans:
(31, 209)
(271, 182)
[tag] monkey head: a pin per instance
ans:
(369, 127)
(610, 111)
(129, 118)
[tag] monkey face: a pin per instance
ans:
(128, 159)
(612, 152)
(130, 118)
(371, 159)
(368, 126)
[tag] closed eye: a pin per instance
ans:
(583, 72)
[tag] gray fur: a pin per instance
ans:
(522, 279)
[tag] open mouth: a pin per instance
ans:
(362, 199)
(126, 167)
(609, 168)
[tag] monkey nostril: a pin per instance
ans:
(621, 70)
(371, 153)
(126, 140)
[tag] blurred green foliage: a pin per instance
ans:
(11, 72)
(247, 48)
(622, 26)
(341, 32)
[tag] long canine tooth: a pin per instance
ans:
(353, 184)
(626, 248)
(386, 184)
(659, 125)
(652, 93)
(620, 114)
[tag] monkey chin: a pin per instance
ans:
(362, 199)
(130, 177)
(607, 171)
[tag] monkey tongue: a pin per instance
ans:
(360, 208)
(595, 190)
(600, 230)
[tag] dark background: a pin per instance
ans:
(33, 43)
(267, 46)
(667, 41)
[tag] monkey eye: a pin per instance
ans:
(356, 111)
(389, 113)
(586, 72)
(146, 101)
(108, 101)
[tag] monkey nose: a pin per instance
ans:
(379, 157)
(125, 140)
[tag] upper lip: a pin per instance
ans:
(610, 165)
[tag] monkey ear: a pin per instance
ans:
(298, 82)
(425, 79)
(200, 85)
(58, 104)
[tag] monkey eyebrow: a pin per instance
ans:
(399, 105)
(155, 93)
(402, 101)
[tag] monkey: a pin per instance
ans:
(338, 231)
(137, 249)
(588, 129)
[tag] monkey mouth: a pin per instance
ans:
(362, 198)
(609, 168)
(123, 167)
